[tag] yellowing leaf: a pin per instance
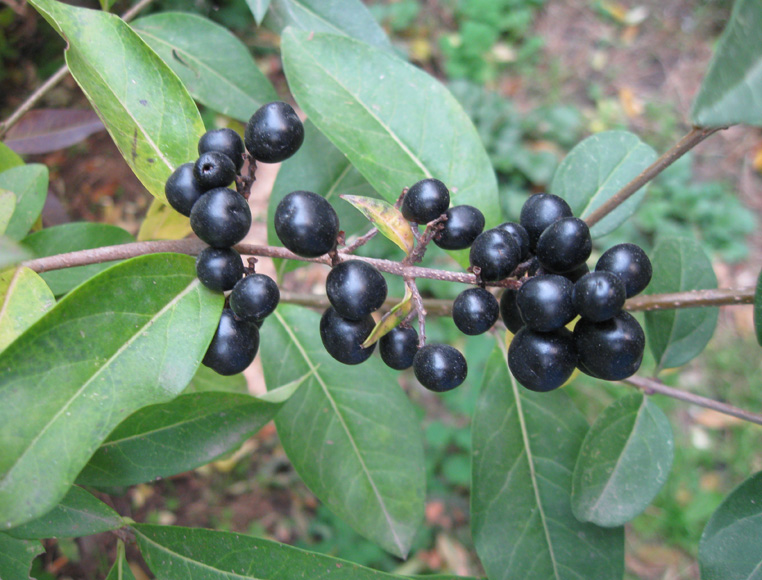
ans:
(396, 315)
(163, 223)
(387, 218)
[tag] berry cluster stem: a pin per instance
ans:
(419, 309)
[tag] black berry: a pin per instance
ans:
(224, 141)
(611, 350)
(182, 189)
(306, 224)
(214, 169)
(219, 268)
(540, 211)
(440, 367)
(398, 347)
(577, 273)
(255, 297)
(630, 263)
(474, 311)
(542, 361)
(234, 345)
(355, 289)
(495, 253)
(546, 302)
(343, 338)
(464, 223)
(599, 296)
(509, 310)
(221, 217)
(520, 236)
(274, 133)
(425, 201)
(564, 245)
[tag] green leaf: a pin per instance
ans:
(8, 158)
(29, 183)
(70, 238)
(387, 218)
(215, 66)
(524, 447)
(170, 438)
(121, 569)
(7, 207)
(258, 9)
(145, 107)
(346, 17)
(596, 169)
(163, 223)
(677, 336)
(624, 461)
(117, 343)
(392, 319)
(16, 557)
(730, 548)
(758, 309)
(79, 514)
(357, 421)
(394, 122)
(11, 253)
(24, 299)
(730, 91)
(206, 380)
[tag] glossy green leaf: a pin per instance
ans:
(16, 557)
(206, 380)
(8, 158)
(70, 238)
(29, 183)
(387, 218)
(596, 169)
(730, 91)
(11, 253)
(394, 122)
(145, 107)
(677, 336)
(163, 223)
(79, 514)
(215, 66)
(347, 17)
(524, 445)
(121, 569)
(758, 309)
(624, 461)
(730, 548)
(170, 438)
(7, 207)
(359, 425)
(258, 9)
(129, 337)
(24, 299)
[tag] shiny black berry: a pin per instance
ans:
(219, 268)
(425, 201)
(599, 296)
(464, 223)
(274, 133)
(355, 289)
(182, 189)
(542, 361)
(509, 310)
(546, 302)
(495, 252)
(234, 345)
(221, 217)
(630, 263)
(540, 211)
(611, 350)
(440, 367)
(343, 338)
(398, 347)
(564, 245)
(577, 273)
(306, 224)
(474, 311)
(224, 141)
(214, 169)
(255, 297)
(520, 236)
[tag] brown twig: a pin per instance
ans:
(432, 228)
(419, 309)
(693, 138)
(651, 386)
(361, 241)
(692, 299)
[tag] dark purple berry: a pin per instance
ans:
(474, 311)
(577, 273)
(255, 297)
(355, 289)
(214, 169)
(509, 310)
(542, 361)
(599, 296)
(521, 237)
(464, 223)
(398, 347)
(611, 350)
(219, 268)
(182, 189)
(540, 211)
(306, 224)
(274, 133)
(630, 263)
(343, 338)
(425, 201)
(564, 245)
(546, 303)
(221, 217)
(495, 252)
(234, 345)
(440, 367)
(224, 141)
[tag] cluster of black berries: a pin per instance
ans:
(220, 216)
